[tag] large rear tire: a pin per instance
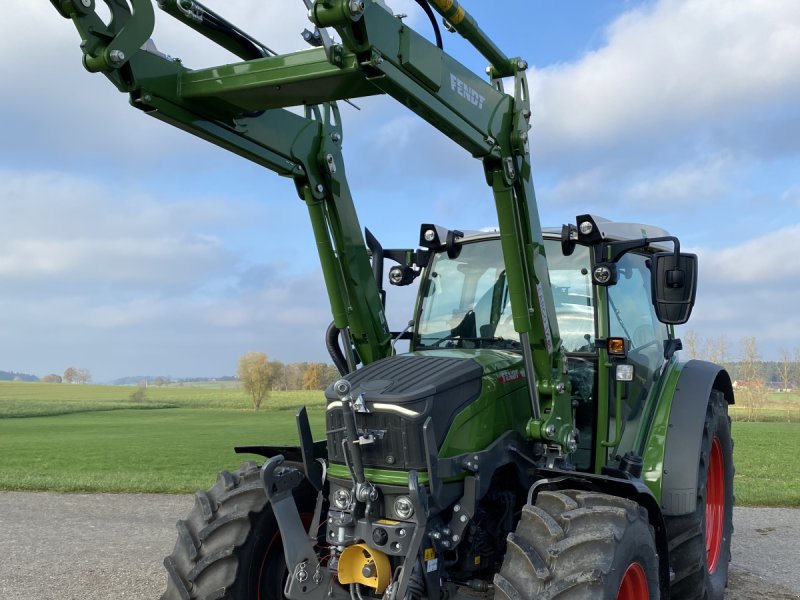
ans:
(700, 543)
(229, 547)
(580, 545)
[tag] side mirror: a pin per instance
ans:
(674, 285)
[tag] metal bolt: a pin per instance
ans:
(560, 387)
(456, 507)
(336, 137)
(320, 188)
(436, 535)
(550, 430)
(86, 3)
(301, 574)
(116, 56)
(401, 532)
(456, 537)
(356, 7)
(463, 518)
(331, 163)
(522, 65)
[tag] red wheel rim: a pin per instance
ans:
(634, 584)
(715, 506)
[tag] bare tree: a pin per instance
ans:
(83, 376)
(255, 373)
(786, 369)
(52, 378)
(70, 374)
(753, 388)
(691, 344)
(796, 369)
(716, 349)
(278, 376)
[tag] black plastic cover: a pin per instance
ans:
(411, 388)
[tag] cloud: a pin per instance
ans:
(671, 70)
(768, 260)
(751, 289)
(699, 181)
(62, 230)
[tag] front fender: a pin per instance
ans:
(684, 433)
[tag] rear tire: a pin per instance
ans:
(580, 545)
(229, 547)
(700, 543)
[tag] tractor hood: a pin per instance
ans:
(399, 394)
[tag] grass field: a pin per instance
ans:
(48, 399)
(779, 407)
(93, 438)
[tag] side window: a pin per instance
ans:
(631, 313)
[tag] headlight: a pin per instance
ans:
(403, 507)
(342, 498)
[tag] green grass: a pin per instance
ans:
(767, 464)
(47, 399)
(170, 450)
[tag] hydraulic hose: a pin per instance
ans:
(335, 349)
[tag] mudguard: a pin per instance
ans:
(685, 432)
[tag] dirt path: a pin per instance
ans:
(110, 547)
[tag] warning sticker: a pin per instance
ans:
(432, 565)
(429, 554)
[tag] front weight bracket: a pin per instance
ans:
(308, 579)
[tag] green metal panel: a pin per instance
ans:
(421, 60)
(603, 383)
(378, 476)
(295, 79)
(653, 455)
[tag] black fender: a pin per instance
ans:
(684, 435)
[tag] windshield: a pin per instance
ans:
(465, 302)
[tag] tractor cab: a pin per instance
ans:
(464, 305)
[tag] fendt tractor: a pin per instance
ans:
(540, 439)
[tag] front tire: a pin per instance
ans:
(580, 545)
(229, 547)
(700, 543)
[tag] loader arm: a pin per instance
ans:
(242, 108)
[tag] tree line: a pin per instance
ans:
(752, 377)
(745, 363)
(71, 375)
(259, 376)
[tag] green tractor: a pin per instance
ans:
(539, 440)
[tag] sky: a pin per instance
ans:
(130, 248)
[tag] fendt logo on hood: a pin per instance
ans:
(466, 92)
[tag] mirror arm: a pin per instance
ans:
(619, 249)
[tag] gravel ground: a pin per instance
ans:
(108, 547)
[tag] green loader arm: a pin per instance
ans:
(242, 107)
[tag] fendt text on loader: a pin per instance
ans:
(540, 439)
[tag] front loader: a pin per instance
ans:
(540, 438)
